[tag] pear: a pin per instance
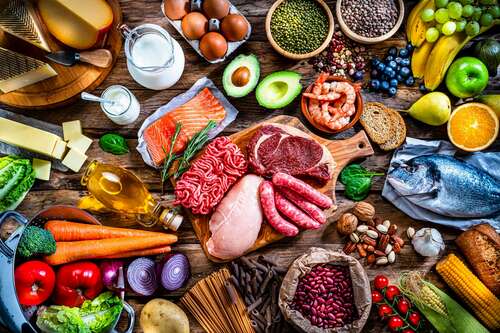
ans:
(432, 109)
(493, 101)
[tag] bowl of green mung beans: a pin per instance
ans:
(299, 29)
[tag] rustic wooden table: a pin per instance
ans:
(65, 188)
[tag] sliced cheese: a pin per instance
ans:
(18, 71)
(81, 143)
(72, 130)
(42, 169)
(59, 150)
(27, 137)
(19, 18)
(77, 23)
(74, 160)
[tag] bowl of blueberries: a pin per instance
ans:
(392, 71)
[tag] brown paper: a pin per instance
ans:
(303, 265)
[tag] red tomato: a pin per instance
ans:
(408, 330)
(403, 306)
(414, 318)
(384, 310)
(377, 296)
(77, 282)
(395, 323)
(380, 282)
(391, 292)
(35, 282)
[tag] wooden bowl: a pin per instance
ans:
(354, 118)
(295, 56)
(369, 40)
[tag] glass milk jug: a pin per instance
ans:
(154, 59)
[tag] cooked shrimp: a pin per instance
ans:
(329, 97)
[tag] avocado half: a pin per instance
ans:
(241, 75)
(278, 89)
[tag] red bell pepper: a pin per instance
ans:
(76, 283)
(35, 282)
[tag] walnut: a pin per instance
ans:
(347, 224)
(364, 211)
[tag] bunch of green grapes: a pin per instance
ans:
(456, 16)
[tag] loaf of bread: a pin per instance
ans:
(481, 247)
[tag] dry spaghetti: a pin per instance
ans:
(203, 186)
(217, 306)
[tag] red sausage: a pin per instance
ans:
(311, 209)
(279, 224)
(298, 217)
(305, 190)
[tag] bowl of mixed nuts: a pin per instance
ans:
(299, 29)
(370, 21)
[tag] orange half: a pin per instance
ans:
(473, 127)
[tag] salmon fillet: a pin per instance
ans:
(193, 115)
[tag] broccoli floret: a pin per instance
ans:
(36, 241)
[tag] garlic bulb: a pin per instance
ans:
(428, 242)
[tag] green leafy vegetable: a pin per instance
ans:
(96, 316)
(170, 157)
(357, 181)
(194, 146)
(113, 143)
(36, 241)
(16, 178)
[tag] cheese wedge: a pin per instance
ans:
(17, 70)
(19, 18)
(74, 160)
(42, 169)
(72, 130)
(27, 137)
(81, 24)
(81, 143)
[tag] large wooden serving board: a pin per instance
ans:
(70, 81)
(343, 151)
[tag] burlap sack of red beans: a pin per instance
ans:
(326, 291)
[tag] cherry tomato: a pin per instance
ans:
(403, 306)
(408, 330)
(391, 292)
(377, 296)
(380, 282)
(414, 318)
(384, 310)
(395, 323)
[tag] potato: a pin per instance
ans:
(162, 316)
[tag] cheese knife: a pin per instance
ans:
(100, 58)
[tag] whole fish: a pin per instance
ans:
(447, 186)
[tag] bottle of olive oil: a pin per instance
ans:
(120, 190)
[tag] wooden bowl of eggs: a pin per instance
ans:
(214, 28)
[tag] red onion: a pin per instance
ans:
(175, 271)
(109, 272)
(141, 276)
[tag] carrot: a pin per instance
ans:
(91, 249)
(140, 253)
(64, 231)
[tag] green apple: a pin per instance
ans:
(467, 77)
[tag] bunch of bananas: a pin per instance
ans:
(430, 61)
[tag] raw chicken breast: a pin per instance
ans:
(236, 222)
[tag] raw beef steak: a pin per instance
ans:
(281, 148)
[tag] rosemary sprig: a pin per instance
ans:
(194, 146)
(170, 157)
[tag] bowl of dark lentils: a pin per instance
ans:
(370, 21)
(299, 29)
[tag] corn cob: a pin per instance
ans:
(473, 292)
(433, 300)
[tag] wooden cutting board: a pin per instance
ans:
(71, 81)
(343, 151)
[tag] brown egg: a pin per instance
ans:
(213, 45)
(194, 25)
(176, 9)
(234, 27)
(216, 8)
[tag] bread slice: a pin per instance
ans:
(377, 122)
(399, 128)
